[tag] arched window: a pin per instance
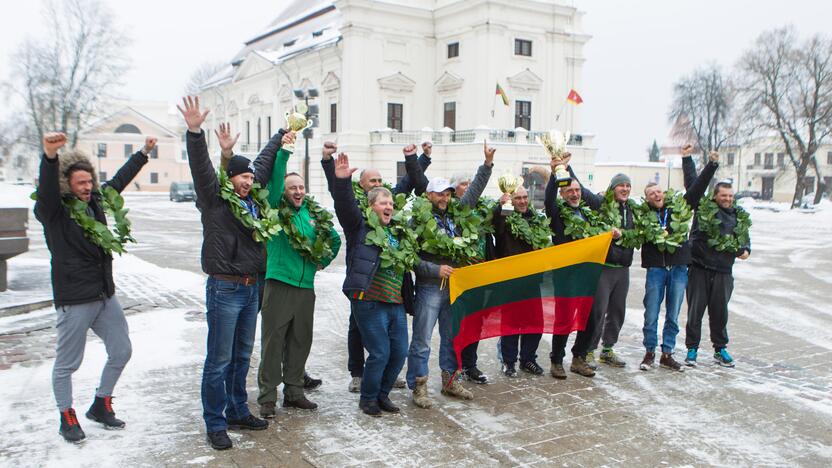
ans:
(128, 128)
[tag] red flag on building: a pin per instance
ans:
(574, 97)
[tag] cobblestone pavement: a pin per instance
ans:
(774, 408)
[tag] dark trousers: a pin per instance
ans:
(710, 290)
(355, 347)
(528, 347)
(469, 355)
(609, 306)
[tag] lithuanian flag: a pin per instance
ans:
(502, 94)
(545, 291)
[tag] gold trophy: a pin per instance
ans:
(508, 183)
(554, 142)
(296, 122)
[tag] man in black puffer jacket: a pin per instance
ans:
(233, 261)
(82, 276)
(667, 272)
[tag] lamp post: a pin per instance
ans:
(311, 114)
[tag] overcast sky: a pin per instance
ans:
(638, 49)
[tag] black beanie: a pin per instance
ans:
(239, 165)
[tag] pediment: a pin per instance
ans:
(448, 82)
(253, 64)
(396, 82)
(331, 82)
(526, 80)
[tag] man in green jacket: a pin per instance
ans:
(307, 244)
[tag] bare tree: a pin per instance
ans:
(62, 78)
(702, 109)
(201, 75)
(788, 90)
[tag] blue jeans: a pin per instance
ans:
(660, 281)
(431, 304)
(383, 329)
(232, 321)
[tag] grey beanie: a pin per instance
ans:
(619, 179)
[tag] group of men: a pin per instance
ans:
(264, 239)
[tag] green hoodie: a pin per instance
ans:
(283, 263)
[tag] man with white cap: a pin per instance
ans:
(432, 300)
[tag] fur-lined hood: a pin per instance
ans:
(67, 159)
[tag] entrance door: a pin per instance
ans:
(768, 188)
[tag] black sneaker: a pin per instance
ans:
(509, 370)
(311, 383)
(475, 375)
(370, 408)
(70, 427)
(385, 404)
(102, 412)
(301, 403)
(249, 422)
(531, 367)
(219, 440)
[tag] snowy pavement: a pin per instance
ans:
(774, 408)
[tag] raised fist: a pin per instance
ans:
(409, 149)
(713, 156)
(687, 150)
(52, 142)
(149, 144)
(328, 150)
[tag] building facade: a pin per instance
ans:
(390, 72)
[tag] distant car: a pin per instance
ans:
(748, 194)
(182, 191)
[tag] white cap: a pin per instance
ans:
(439, 184)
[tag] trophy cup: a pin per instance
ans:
(296, 122)
(508, 183)
(554, 142)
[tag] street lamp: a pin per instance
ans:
(311, 113)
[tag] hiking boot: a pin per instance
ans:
(590, 360)
(70, 427)
(668, 362)
(475, 375)
(420, 393)
(249, 422)
(219, 440)
(690, 358)
(300, 403)
(531, 367)
(311, 383)
(452, 387)
(385, 404)
(649, 361)
(355, 385)
(101, 411)
(580, 367)
(723, 358)
(267, 410)
(400, 383)
(370, 408)
(609, 358)
(509, 370)
(557, 371)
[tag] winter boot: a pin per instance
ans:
(557, 371)
(668, 362)
(70, 427)
(580, 367)
(420, 393)
(648, 361)
(452, 387)
(102, 411)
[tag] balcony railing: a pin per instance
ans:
(447, 136)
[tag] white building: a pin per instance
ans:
(393, 72)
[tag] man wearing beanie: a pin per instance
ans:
(232, 258)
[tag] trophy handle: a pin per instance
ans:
(309, 124)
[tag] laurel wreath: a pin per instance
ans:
(709, 224)
(316, 251)
(263, 228)
(533, 230)
(462, 249)
(651, 231)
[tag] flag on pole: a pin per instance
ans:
(545, 291)
(574, 97)
(502, 94)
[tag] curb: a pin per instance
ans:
(24, 308)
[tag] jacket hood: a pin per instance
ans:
(65, 161)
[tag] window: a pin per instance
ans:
(757, 159)
(154, 177)
(128, 128)
(333, 117)
(523, 114)
(269, 126)
(128, 150)
(259, 136)
(523, 47)
(102, 150)
(248, 132)
(154, 153)
(450, 115)
(829, 158)
(394, 116)
(184, 155)
(453, 49)
(730, 161)
(401, 171)
(769, 162)
(102, 176)
(781, 160)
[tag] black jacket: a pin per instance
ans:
(81, 271)
(617, 255)
(506, 243)
(228, 247)
(695, 188)
(709, 258)
(553, 212)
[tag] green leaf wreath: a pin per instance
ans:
(709, 224)
(610, 216)
(462, 249)
(534, 230)
(263, 228)
(402, 258)
(576, 227)
(319, 250)
(651, 231)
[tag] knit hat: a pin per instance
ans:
(619, 179)
(239, 165)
